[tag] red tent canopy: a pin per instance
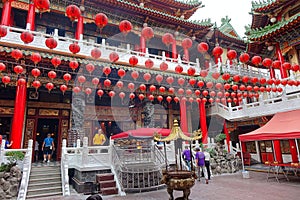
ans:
(285, 125)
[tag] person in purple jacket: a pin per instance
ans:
(200, 164)
(186, 155)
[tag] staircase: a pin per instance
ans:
(107, 184)
(44, 181)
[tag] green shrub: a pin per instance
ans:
(211, 151)
(220, 138)
(6, 167)
(14, 156)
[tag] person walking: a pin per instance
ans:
(187, 157)
(200, 164)
(48, 147)
(36, 150)
(207, 163)
(7, 143)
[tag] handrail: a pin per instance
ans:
(116, 166)
(64, 170)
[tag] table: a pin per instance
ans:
(276, 169)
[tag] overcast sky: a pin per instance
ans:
(237, 10)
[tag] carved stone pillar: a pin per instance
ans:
(148, 111)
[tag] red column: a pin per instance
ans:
(186, 54)
(272, 73)
(293, 150)
(142, 44)
(283, 72)
(227, 135)
(174, 50)
(203, 122)
(244, 147)
(79, 28)
(19, 114)
(31, 16)
(277, 149)
(183, 119)
(6, 12)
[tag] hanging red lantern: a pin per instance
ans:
(192, 82)
(131, 86)
(205, 93)
(256, 60)
(295, 67)
(101, 20)
(268, 89)
(189, 92)
(284, 82)
(197, 92)
(212, 93)
(152, 88)
(67, 77)
(2, 67)
(134, 75)
(279, 89)
(235, 87)
(73, 65)
(90, 68)
(18, 69)
(36, 84)
(120, 84)
(217, 51)
(186, 43)
(202, 47)
(233, 94)
(249, 88)
(191, 71)
(255, 88)
(74, 48)
(143, 87)
(111, 94)
(176, 99)
(88, 91)
(76, 90)
(35, 72)
(95, 53)
(147, 77)
(121, 73)
(231, 54)
(276, 64)
(125, 26)
(141, 97)
(254, 80)
(159, 78)
(51, 43)
(218, 86)
(36, 58)
(26, 37)
(122, 95)
(215, 75)
(149, 63)
(168, 39)
(262, 81)
(198, 100)
(178, 69)
(226, 94)
(171, 90)
(226, 76)
(42, 5)
(100, 93)
(203, 73)
(113, 57)
(147, 33)
(163, 66)
(244, 57)
(262, 89)
(169, 99)
(150, 97)
(226, 86)
(236, 78)
(133, 60)
(16, 54)
(106, 71)
(3, 31)
(160, 98)
(277, 81)
(162, 89)
(131, 96)
(220, 94)
(107, 83)
(245, 79)
(217, 100)
(52, 74)
(210, 100)
(287, 65)
(63, 88)
(180, 91)
(270, 81)
(55, 62)
(267, 62)
(200, 84)
(95, 81)
(73, 12)
(291, 82)
(181, 81)
(229, 100)
(242, 87)
(49, 86)
(209, 85)
(81, 79)
(170, 80)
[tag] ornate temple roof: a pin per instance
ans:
(264, 6)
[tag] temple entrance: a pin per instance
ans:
(5, 126)
(45, 126)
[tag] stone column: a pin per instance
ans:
(148, 111)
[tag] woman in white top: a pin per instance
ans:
(207, 164)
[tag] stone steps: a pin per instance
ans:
(107, 184)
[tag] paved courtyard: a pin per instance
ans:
(231, 187)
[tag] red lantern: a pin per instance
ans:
(171, 90)
(205, 93)
(262, 81)
(21, 81)
(16, 54)
(160, 98)
(256, 60)
(163, 66)
(210, 100)
(76, 90)
(49, 86)
(152, 88)
(131, 86)
(203, 73)
(106, 70)
(42, 5)
(101, 20)
(159, 78)
(249, 88)
(149, 63)
(180, 91)
(242, 87)
(202, 47)
(162, 89)
(268, 89)
(255, 88)
(168, 39)
(209, 85)
(295, 67)
(254, 80)
(2, 67)
(52, 74)
(178, 69)
(131, 96)
(233, 94)
(220, 94)
(231, 54)
(186, 43)
(236, 78)
(18, 69)
(67, 77)
(36, 84)
(121, 73)
(226, 76)
(176, 99)
(181, 81)
(125, 26)
(27, 37)
(90, 68)
(95, 81)
(74, 48)
(51, 43)
(100, 93)
(122, 95)
(235, 87)
(170, 80)
(143, 87)
(147, 77)
(189, 92)
(133, 61)
(63, 88)
(141, 97)
(111, 94)
(107, 83)
(134, 75)
(192, 82)
(276, 64)
(277, 81)
(267, 62)
(120, 84)
(55, 61)
(36, 58)
(279, 89)
(191, 71)
(262, 89)
(113, 57)
(88, 91)
(197, 92)
(227, 86)
(212, 93)
(244, 57)
(270, 81)
(151, 97)
(81, 79)
(200, 84)
(73, 12)
(226, 94)
(217, 51)
(35, 72)
(218, 86)
(3, 31)
(245, 79)
(147, 33)
(73, 65)
(286, 65)
(169, 99)
(96, 53)
(215, 75)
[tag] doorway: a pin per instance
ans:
(45, 126)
